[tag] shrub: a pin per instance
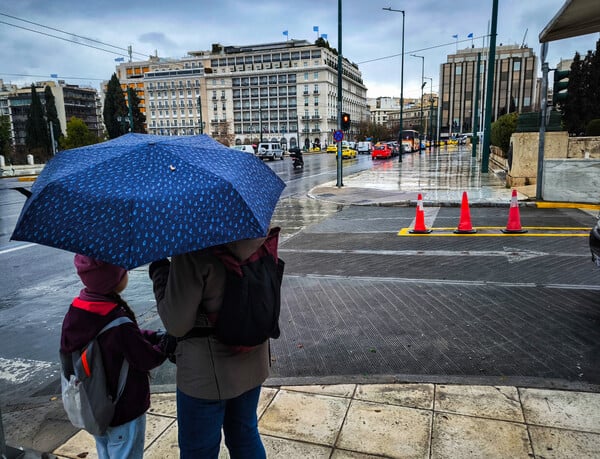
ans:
(593, 128)
(502, 129)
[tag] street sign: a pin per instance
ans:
(338, 135)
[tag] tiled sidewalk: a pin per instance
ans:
(350, 421)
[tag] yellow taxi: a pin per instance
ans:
(348, 153)
(332, 148)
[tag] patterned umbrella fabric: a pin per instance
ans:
(139, 198)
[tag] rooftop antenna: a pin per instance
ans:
(524, 37)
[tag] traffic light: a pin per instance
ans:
(561, 83)
(345, 121)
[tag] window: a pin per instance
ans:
(305, 76)
(316, 75)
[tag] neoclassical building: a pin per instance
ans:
(284, 91)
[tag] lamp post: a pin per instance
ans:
(422, 86)
(430, 102)
(200, 114)
(401, 82)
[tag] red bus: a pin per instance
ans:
(410, 138)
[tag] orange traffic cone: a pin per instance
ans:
(464, 225)
(514, 220)
(420, 227)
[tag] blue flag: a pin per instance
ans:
(119, 59)
(324, 36)
(454, 36)
(285, 32)
(315, 28)
(470, 35)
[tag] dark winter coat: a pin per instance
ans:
(84, 320)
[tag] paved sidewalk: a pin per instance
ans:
(398, 420)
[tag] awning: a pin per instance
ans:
(575, 18)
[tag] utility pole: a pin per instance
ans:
(339, 95)
(489, 94)
(200, 114)
(401, 84)
(422, 86)
(476, 108)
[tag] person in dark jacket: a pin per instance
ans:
(98, 304)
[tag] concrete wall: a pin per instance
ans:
(523, 170)
(572, 180)
(571, 166)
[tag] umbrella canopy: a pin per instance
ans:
(139, 198)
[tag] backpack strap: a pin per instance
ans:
(125, 367)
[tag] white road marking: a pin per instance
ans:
(26, 246)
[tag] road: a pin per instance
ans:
(38, 283)
(359, 300)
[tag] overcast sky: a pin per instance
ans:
(371, 36)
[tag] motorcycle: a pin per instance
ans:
(296, 156)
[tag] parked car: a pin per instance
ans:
(381, 151)
(595, 242)
(394, 146)
(332, 148)
(364, 148)
(245, 148)
(269, 150)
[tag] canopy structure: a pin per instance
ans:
(575, 18)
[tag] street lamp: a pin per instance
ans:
(430, 124)
(422, 86)
(401, 82)
(200, 114)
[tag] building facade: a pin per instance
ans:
(70, 100)
(515, 86)
(284, 92)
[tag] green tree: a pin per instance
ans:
(78, 135)
(502, 129)
(37, 137)
(115, 108)
(583, 92)
(139, 119)
(5, 137)
(52, 114)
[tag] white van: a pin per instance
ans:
(269, 150)
(364, 148)
(244, 148)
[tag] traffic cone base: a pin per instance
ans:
(515, 231)
(514, 220)
(464, 225)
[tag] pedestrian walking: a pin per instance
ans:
(98, 304)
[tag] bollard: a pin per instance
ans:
(2, 162)
(30, 160)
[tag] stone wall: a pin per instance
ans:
(571, 166)
(523, 166)
(572, 180)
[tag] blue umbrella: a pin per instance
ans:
(140, 197)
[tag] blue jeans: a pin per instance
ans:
(200, 422)
(126, 440)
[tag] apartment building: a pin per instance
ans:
(70, 100)
(515, 86)
(284, 92)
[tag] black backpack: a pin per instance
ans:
(249, 314)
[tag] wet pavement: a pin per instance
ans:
(426, 359)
